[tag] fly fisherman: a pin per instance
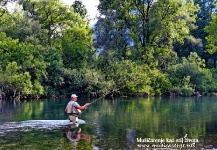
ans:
(74, 109)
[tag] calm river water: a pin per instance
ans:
(119, 124)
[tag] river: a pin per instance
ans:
(118, 124)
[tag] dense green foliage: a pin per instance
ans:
(137, 47)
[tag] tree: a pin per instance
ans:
(111, 30)
(212, 36)
(26, 55)
(68, 30)
(211, 39)
(76, 46)
(190, 75)
(79, 8)
(17, 82)
(204, 16)
(3, 6)
(146, 29)
(54, 82)
(20, 26)
(51, 15)
(46, 40)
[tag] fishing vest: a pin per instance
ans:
(71, 109)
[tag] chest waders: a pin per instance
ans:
(73, 116)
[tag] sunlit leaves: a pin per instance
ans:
(22, 63)
(129, 77)
(77, 46)
(17, 81)
(144, 31)
(211, 30)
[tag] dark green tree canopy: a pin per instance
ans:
(79, 7)
(143, 25)
(146, 47)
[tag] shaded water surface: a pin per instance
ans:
(111, 124)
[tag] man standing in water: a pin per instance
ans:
(74, 109)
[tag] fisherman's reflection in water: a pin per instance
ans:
(74, 134)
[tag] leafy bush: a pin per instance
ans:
(159, 82)
(129, 77)
(193, 74)
(15, 81)
(86, 81)
(187, 88)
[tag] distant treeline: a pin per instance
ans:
(137, 47)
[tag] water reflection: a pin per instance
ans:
(113, 124)
(1, 108)
(130, 138)
(122, 121)
(74, 134)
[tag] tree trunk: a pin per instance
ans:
(15, 92)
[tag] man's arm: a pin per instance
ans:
(82, 107)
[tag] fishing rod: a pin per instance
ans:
(103, 96)
(97, 99)
(79, 111)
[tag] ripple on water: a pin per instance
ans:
(34, 124)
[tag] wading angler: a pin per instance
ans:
(73, 109)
